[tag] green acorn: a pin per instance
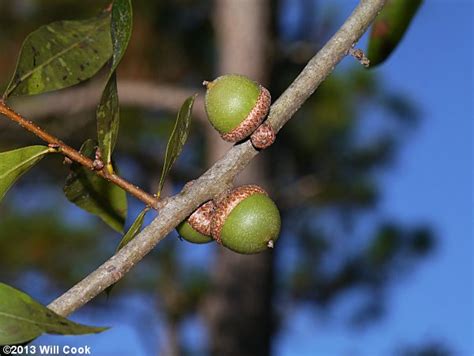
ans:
(246, 221)
(197, 227)
(236, 106)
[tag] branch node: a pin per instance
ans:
(54, 147)
(160, 204)
(360, 56)
(98, 164)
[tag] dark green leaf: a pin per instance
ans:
(108, 117)
(13, 164)
(23, 319)
(94, 194)
(178, 138)
(121, 29)
(108, 112)
(60, 55)
(129, 236)
(134, 230)
(389, 28)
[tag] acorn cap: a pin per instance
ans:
(253, 119)
(246, 221)
(263, 136)
(236, 106)
(200, 220)
(197, 227)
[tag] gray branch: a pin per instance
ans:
(221, 175)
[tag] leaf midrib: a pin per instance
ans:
(48, 61)
(36, 323)
(166, 163)
(23, 163)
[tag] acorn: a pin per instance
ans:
(197, 227)
(236, 106)
(246, 221)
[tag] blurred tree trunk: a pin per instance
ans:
(239, 309)
(173, 344)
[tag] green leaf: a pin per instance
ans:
(133, 230)
(121, 29)
(23, 319)
(178, 138)
(94, 194)
(108, 112)
(389, 28)
(129, 236)
(13, 164)
(108, 118)
(60, 55)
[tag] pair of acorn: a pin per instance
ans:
(246, 220)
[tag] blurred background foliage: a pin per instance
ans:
(323, 172)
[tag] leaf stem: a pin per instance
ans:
(77, 157)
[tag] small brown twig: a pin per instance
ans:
(77, 157)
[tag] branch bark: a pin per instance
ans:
(222, 173)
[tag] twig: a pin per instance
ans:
(222, 173)
(76, 156)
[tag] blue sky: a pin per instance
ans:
(431, 182)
